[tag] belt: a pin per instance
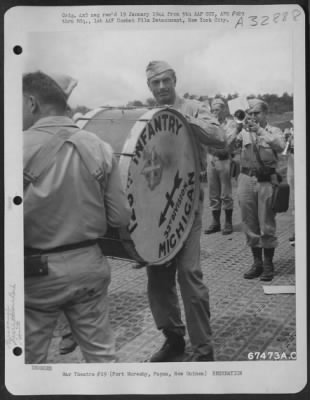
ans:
(261, 176)
(248, 171)
(221, 156)
(87, 243)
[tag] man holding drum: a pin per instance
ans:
(161, 80)
(72, 191)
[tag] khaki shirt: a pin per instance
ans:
(229, 126)
(206, 128)
(66, 205)
(269, 142)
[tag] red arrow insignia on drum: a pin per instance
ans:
(169, 197)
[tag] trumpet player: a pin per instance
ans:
(260, 144)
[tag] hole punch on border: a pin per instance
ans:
(17, 200)
(17, 351)
(17, 50)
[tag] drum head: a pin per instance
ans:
(161, 182)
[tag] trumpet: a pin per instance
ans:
(240, 116)
(286, 148)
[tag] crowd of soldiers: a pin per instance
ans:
(65, 213)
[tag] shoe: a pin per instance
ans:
(268, 268)
(228, 228)
(292, 238)
(215, 225)
(213, 228)
(255, 271)
(257, 267)
(200, 357)
(173, 346)
(67, 344)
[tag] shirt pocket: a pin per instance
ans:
(266, 153)
(246, 153)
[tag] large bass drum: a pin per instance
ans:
(159, 168)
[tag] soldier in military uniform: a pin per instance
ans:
(219, 175)
(261, 143)
(161, 80)
(289, 137)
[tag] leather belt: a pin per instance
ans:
(261, 176)
(248, 171)
(87, 243)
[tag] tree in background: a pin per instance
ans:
(80, 109)
(151, 102)
(135, 103)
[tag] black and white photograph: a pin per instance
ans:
(155, 199)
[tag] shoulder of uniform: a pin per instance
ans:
(96, 144)
(273, 129)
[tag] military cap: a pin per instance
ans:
(66, 83)
(157, 67)
(257, 104)
(217, 101)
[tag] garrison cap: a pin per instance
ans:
(66, 83)
(217, 101)
(157, 67)
(257, 104)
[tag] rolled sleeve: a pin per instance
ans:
(207, 130)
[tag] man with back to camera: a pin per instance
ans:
(163, 299)
(69, 199)
(261, 143)
(219, 175)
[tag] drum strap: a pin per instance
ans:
(46, 155)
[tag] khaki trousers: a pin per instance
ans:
(258, 219)
(77, 284)
(219, 184)
(163, 296)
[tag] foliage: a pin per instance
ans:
(80, 109)
(277, 104)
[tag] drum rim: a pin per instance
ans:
(124, 163)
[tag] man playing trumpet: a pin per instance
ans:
(260, 143)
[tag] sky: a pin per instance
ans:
(110, 65)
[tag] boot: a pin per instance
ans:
(268, 268)
(215, 225)
(67, 344)
(200, 357)
(257, 267)
(228, 228)
(173, 347)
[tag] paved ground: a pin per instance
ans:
(244, 319)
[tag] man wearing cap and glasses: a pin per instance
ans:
(219, 175)
(72, 190)
(261, 143)
(161, 80)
